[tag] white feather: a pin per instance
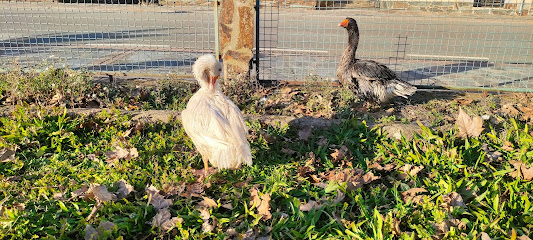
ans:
(214, 123)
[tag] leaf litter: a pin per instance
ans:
(468, 127)
(261, 203)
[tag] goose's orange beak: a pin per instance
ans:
(344, 23)
(212, 81)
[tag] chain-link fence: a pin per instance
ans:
(468, 44)
(462, 44)
(110, 36)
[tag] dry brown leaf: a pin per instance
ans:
(510, 110)
(173, 189)
(312, 159)
(262, 203)
(468, 127)
(354, 178)
(124, 189)
(90, 233)
(410, 195)
(453, 199)
(101, 193)
(508, 146)
(156, 199)
(305, 132)
(81, 192)
(228, 206)
(521, 170)
(485, 236)
(59, 196)
(340, 196)
(127, 133)
(94, 234)
(208, 202)
(378, 167)
(7, 155)
(193, 190)
(309, 206)
(269, 138)
(409, 170)
(164, 221)
(133, 153)
(523, 237)
(340, 154)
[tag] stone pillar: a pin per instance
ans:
(237, 21)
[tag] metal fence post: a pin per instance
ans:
(257, 39)
(217, 41)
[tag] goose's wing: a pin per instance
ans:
(210, 124)
(371, 70)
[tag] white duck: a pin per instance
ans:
(213, 122)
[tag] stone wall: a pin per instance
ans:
(237, 21)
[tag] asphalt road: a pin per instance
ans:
(297, 43)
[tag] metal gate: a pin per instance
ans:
(428, 43)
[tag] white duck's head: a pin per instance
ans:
(206, 70)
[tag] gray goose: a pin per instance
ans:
(372, 81)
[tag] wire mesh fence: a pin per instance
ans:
(110, 36)
(461, 44)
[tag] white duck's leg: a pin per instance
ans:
(206, 165)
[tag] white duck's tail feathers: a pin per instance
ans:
(231, 157)
(400, 88)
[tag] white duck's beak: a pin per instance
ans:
(213, 81)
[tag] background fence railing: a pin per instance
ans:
(463, 44)
(158, 38)
(444, 43)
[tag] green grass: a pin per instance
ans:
(53, 157)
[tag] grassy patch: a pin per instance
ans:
(56, 155)
(65, 176)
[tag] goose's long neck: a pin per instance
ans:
(349, 52)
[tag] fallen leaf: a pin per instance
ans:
(510, 110)
(378, 167)
(410, 195)
(227, 206)
(485, 236)
(92, 157)
(311, 205)
(353, 178)
(133, 153)
(164, 221)
(81, 192)
(305, 132)
(468, 127)
(340, 196)
(101, 193)
(409, 170)
(193, 190)
(322, 141)
(269, 138)
(90, 233)
(262, 203)
(508, 146)
(453, 199)
(521, 170)
(340, 154)
(523, 237)
(173, 189)
(127, 133)
(7, 155)
(59, 196)
(124, 189)
(208, 202)
(442, 228)
(156, 199)
(94, 234)
(465, 101)
(313, 160)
